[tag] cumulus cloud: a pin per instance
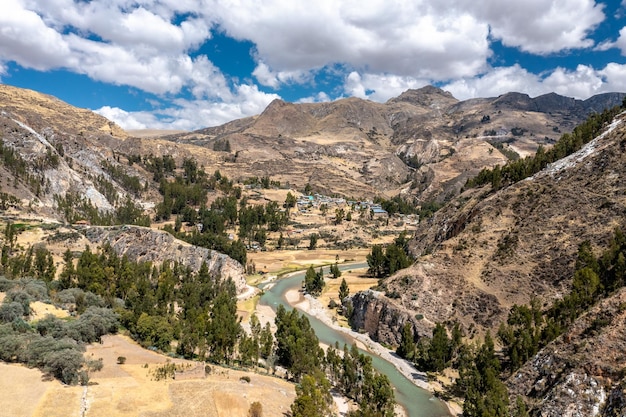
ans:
(185, 114)
(621, 41)
(26, 39)
(539, 26)
(320, 97)
(127, 120)
(614, 76)
(265, 76)
(407, 38)
(379, 48)
(378, 87)
(580, 83)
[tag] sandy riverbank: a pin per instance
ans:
(315, 308)
(312, 306)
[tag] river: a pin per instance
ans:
(417, 401)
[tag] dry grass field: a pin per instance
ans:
(131, 389)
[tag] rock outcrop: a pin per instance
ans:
(143, 244)
(486, 251)
(382, 320)
(582, 372)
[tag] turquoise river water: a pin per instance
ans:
(417, 401)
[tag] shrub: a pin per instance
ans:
(256, 410)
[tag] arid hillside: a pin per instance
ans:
(424, 143)
(486, 251)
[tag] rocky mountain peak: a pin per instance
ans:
(425, 96)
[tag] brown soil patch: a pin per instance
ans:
(40, 310)
(22, 390)
(285, 260)
(130, 390)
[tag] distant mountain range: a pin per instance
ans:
(483, 252)
(424, 142)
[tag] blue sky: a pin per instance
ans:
(188, 64)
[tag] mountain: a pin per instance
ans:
(423, 143)
(487, 251)
(484, 251)
(49, 150)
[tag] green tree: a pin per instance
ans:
(395, 259)
(155, 331)
(297, 346)
(344, 291)
(376, 261)
(339, 215)
(485, 394)
(313, 398)
(225, 324)
(313, 241)
(314, 281)
(281, 241)
(335, 271)
(266, 339)
(406, 349)
(439, 350)
(291, 200)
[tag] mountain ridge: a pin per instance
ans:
(427, 125)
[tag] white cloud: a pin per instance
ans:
(581, 83)
(26, 39)
(540, 26)
(380, 48)
(614, 76)
(184, 114)
(265, 76)
(320, 97)
(128, 121)
(495, 82)
(621, 41)
(408, 38)
(379, 87)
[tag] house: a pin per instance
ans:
(379, 212)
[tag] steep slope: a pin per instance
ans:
(582, 372)
(50, 147)
(142, 244)
(50, 150)
(424, 142)
(485, 252)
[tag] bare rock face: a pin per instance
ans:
(143, 244)
(486, 251)
(581, 373)
(383, 321)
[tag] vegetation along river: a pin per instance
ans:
(417, 401)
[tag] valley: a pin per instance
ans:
(457, 213)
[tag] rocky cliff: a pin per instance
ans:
(383, 320)
(582, 372)
(486, 251)
(148, 245)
